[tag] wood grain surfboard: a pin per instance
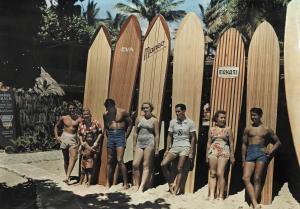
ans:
(97, 78)
(123, 74)
(292, 71)
(228, 82)
(262, 86)
(154, 62)
(188, 75)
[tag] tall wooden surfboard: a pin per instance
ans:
(188, 75)
(262, 86)
(123, 74)
(228, 82)
(97, 77)
(154, 64)
(292, 71)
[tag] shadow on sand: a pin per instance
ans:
(45, 194)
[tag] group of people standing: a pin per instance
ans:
(181, 141)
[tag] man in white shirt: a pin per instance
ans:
(180, 143)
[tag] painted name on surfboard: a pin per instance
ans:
(150, 50)
(127, 49)
(228, 72)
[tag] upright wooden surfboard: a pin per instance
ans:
(228, 82)
(292, 71)
(262, 86)
(97, 78)
(154, 64)
(188, 75)
(125, 63)
(97, 74)
(123, 74)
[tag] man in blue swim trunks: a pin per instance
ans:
(117, 126)
(255, 154)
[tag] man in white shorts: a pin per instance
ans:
(180, 143)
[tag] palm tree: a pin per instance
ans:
(91, 12)
(148, 9)
(113, 24)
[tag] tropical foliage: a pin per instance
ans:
(91, 13)
(148, 9)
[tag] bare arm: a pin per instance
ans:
(231, 145)
(169, 141)
(208, 145)
(277, 141)
(245, 145)
(135, 133)
(156, 136)
(193, 142)
(58, 123)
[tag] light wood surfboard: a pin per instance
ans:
(262, 86)
(228, 82)
(97, 78)
(188, 76)
(123, 75)
(154, 64)
(292, 71)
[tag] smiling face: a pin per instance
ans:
(256, 118)
(86, 115)
(146, 108)
(71, 109)
(221, 119)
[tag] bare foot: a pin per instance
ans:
(257, 206)
(67, 181)
(126, 186)
(172, 191)
(140, 190)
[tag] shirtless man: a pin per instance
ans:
(117, 126)
(255, 155)
(180, 143)
(68, 139)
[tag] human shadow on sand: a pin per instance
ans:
(46, 194)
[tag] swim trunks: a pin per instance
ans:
(180, 151)
(116, 138)
(256, 152)
(68, 140)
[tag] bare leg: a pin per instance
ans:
(180, 165)
(110, 159)
(89, 176)
(137, 159)
(66, 156)
(82, 174)
(259, 168)
(213, 162)
(148, 161)
(120, 156)
(164, 165)
(220, 176)
(73, 152)
(248, 171)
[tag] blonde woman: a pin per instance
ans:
(145, 144)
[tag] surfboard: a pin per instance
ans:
(291, 67)
(154, 62)
(188, 76)
(262, 86)
(227, 85)
(97, 77)
(123, 75)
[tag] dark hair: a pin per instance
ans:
(216, 115)
(109, 103)
(71, 103)
(257, 110)
(150, 105)
(182, 106)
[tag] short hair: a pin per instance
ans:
(182, 106)
(216, 115)
(71, 103)
(86, 109)
(150, 105)
(256, 110)
(109, 103)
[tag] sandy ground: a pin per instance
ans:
(52, 193)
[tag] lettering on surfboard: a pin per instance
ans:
(228, 72)
(149, 51)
